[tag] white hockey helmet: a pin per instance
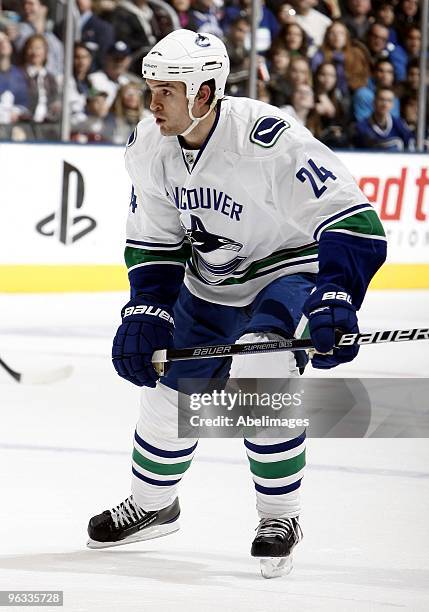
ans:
(191, 58)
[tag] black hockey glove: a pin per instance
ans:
(328, 309)
(145, 328)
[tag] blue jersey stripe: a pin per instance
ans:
(281, 447)
(163, 453)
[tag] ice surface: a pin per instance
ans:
(65, 456)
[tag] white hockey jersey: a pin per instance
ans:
(252, 206)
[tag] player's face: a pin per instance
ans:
(169, 106)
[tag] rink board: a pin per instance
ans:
(63, 210)
(54, 279)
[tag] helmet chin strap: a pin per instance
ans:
(196, 120)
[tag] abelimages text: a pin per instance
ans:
(246, 421)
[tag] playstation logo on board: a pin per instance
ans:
(68, 228)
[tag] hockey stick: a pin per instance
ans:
(38, 377)
(293, 344)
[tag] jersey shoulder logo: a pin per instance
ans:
(267, 131)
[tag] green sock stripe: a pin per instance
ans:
(166, 469)
(366, 222)
(278, 469)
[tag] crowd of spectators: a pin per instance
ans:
(347, 69)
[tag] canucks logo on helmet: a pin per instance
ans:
(202, 41)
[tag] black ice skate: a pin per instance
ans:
(273, 544)
(128, 523)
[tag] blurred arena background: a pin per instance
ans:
(353, 71)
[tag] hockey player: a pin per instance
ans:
(237, 213)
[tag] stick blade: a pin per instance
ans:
(45, 377)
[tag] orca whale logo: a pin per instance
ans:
(205, 241)
(202, 41)
(215, 247)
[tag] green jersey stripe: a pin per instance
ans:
(300, 264)
(366, 222)
(278, 256)
(160, 468)
(278, 469)
(135, 256)
(253, 274)
(273, 262)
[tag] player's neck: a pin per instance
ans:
(196, 138)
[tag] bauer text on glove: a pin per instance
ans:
(328, 309)
(145, 328)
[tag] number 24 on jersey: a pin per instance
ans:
(311, 175)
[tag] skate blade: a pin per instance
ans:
(273, 567)
(157, 531)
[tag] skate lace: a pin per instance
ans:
(126, 512)
(269, 527)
